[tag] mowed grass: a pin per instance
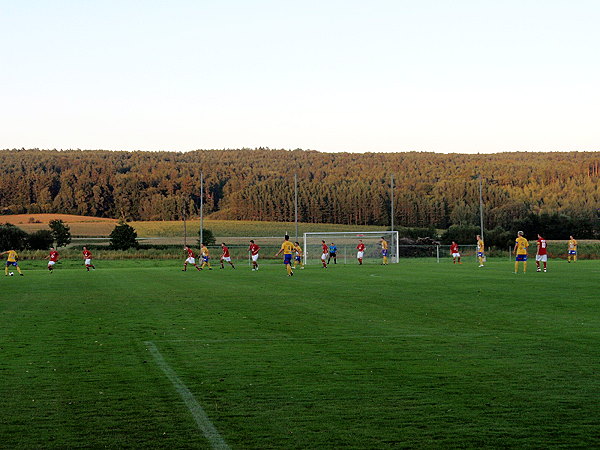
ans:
(416, 354)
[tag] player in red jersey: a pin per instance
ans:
(225, 256)
(325, 248)
(253, 249)
(87, 256)
(361, 251)
(454, 252)
(52, 259)
(542, 253)
(190, 259)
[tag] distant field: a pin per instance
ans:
(227, 228)
(79, 225)
(17, 219)
(99, 227)
(412, 355)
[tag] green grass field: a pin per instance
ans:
(410, 355)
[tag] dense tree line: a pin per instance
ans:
(430, 189)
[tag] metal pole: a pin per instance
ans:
(184, 226)
(296, 203)
(201, 208)
(392, 206)
(437, 248)
(481, 208)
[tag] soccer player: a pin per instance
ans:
(454, 252)
(287, 248)
(52, 259)
(87, 256)
(361, 251)
(384, 251)
(190, 259)
(572, 249)
(542, 253)
(253, 249)
(325, 254)
(298, 257)
(332, 253)
(11, 260)
(520, 250)
(205, 257)
(480, 251)
(225, 256)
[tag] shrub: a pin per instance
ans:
(60, 232)
(123, 237)
(40, 240)
(499, 237)
(12, 237)
(460, 234)
(207, 236)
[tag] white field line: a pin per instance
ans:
(200, 416)
(318, 339)
(342, 338)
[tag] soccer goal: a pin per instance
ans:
(346, 243)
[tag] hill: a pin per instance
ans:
(430, 189)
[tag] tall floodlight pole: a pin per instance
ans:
(201, 208)
(392, 197)
(184, 225)
(480, 206)
(296, 203)
(395, 257)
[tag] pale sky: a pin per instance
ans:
(381, 75)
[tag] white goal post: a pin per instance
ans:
(346, 243)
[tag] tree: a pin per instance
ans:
(208, 236)
(40, 240)
(123, 237)
(460, 234)
(12, 237)
(61, 233)
(499, 238)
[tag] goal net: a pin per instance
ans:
(346, 243)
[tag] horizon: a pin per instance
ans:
(297, 149)
(337, 77)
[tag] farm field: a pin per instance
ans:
(173, 231)
(79, 225)
(228, 228)
(141, 354)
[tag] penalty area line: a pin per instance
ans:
(299, 339)
(201, 418)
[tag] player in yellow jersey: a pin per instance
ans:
(298, 257)
(11, 260)
(384, 251)
(480, 251)
(572, 249)
(288, 249)
(520, 250)
(205, 254)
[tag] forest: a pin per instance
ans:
(430, 189)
